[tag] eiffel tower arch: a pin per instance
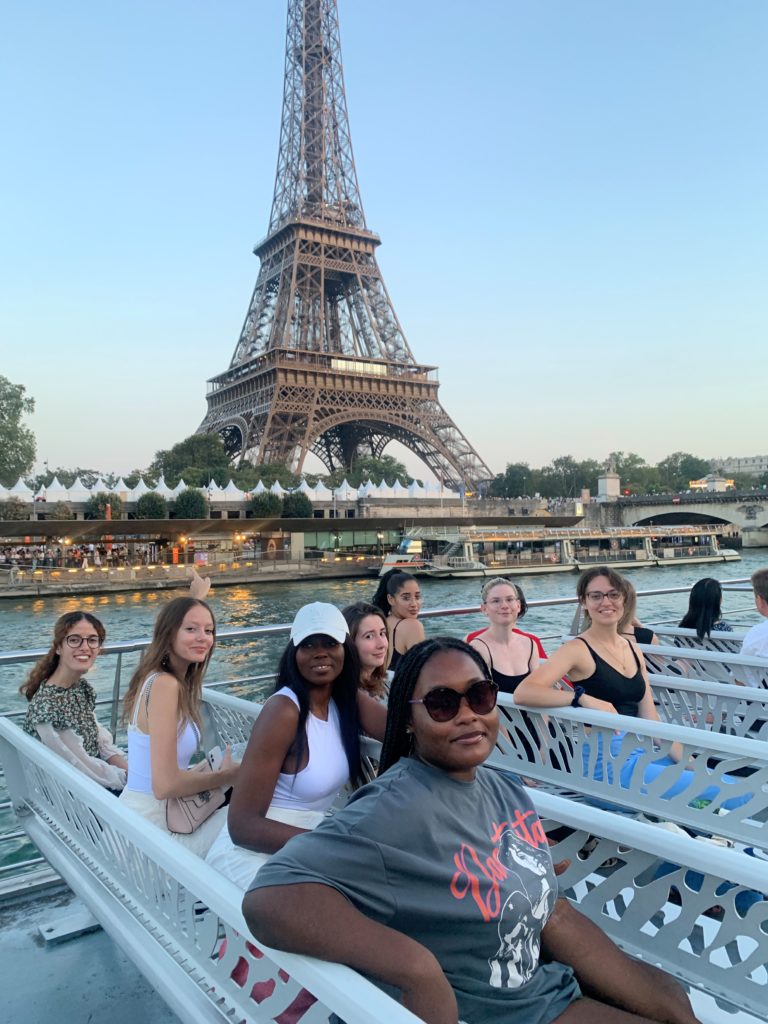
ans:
(322, 364)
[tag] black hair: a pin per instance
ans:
(703, 607)
(389, 584)
(396, 741)
(344, 693)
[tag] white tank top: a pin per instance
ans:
(139, 760)
(317, 785)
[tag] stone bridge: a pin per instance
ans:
(748, 512)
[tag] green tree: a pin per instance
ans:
(190, 504)
(266, 505)
(366, 467)
(514, 482)
(96, 506)
(201, 455)
(678, 469)
(151, 506)
(13, 510)
(296, 506)
(247, 476)
(61, 510)
(17, 442)
(67, 477)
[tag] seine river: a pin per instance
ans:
(26, 624)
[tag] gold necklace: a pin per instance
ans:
(615, 656)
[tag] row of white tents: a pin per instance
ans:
(78, 492)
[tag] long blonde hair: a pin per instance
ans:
(157, 659)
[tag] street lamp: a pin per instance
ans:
(379, 539)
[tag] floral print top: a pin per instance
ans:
(61, 708)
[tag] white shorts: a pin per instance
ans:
(240, 865)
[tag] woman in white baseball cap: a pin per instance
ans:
(304, 745)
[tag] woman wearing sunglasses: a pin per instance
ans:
(62, 703)
(304, 745)
(437, 878)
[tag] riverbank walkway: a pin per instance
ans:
(16, 582)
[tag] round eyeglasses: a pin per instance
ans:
(614, 596)
(442, 704)
(75, 640)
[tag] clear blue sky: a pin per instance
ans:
(571, 196)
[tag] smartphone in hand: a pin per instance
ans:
(215, 757)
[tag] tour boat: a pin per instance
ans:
(450, 552)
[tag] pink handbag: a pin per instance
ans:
(185, 814)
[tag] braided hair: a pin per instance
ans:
(397, 743)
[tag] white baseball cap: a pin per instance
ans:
(319, 619)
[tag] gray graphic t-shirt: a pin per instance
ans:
(462, 867)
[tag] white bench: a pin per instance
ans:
(552, 750)
(716, 707)
(170, 912)
(165, 907)
(715, 666)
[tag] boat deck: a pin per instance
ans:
(83, 979)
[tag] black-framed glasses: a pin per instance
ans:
(614, 596)
(75, 640)
(442, 704)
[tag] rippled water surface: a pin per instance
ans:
(26, 624)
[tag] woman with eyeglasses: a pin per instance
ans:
(509, 654)
(62, 703)
(608, 674)
(437, 878)
(304, 746)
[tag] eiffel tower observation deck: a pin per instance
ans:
(322, 364)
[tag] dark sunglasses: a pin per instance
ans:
(442, 704)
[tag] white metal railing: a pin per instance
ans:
(166, 908)
(628, 861)
(581, 751)
(121, 650)
(716, 707)
(665, 898)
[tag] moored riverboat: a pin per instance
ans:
(441, 553)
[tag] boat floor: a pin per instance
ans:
(83, 979)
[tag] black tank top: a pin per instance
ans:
(396, 655)
(607, 683)
(505, 683)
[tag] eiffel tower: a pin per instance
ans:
(322, 364)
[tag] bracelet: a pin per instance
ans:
(578, 693)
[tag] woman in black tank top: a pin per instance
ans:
(609, 674)
(509, 654)
(399, 597)
(604, 667)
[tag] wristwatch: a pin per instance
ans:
(578, 693)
